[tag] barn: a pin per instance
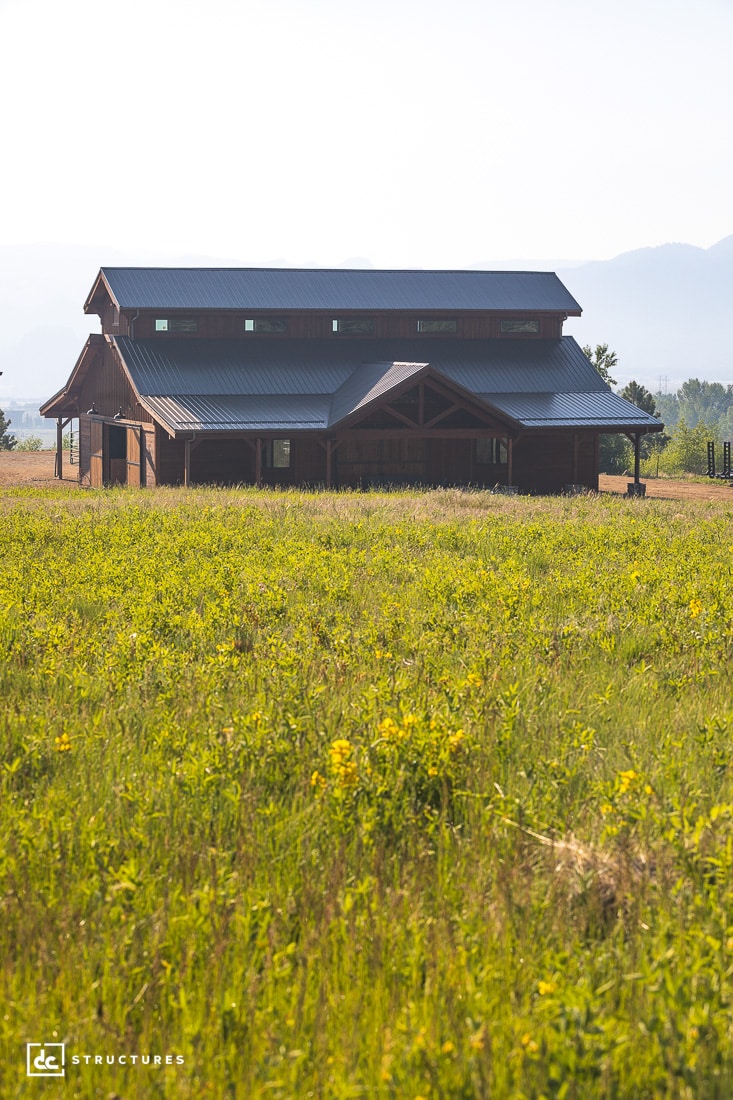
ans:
(338, 378)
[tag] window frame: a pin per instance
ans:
(362, 326)
(171, 326)
(269, 455)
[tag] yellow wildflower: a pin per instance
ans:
(476, 1042)
(456, 740)
(389, 728)
(695, 607)
(625, 779)
(545, 988)
(63, 743)
(342, 765)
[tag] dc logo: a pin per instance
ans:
(45, 1060)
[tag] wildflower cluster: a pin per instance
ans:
(342, 765)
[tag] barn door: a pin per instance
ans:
(134, 457)
(96, 467)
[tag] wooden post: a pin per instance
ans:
(59, 448)
(187, 463)
(329, 453)
(637, 456)
(258, 462)
(575, 458)
(509, 461)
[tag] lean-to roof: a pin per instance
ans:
(288, 385)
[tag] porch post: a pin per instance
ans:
(59, 448)
(637, 456)
(186, 463)
(258, 462)
(329, 456)
(509, 461)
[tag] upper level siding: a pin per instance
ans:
(230, 325)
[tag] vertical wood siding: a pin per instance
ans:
(224, 324)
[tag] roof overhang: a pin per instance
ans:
(100, 290)
(65, 402)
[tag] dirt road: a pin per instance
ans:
(37, 468)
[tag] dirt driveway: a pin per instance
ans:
(37, 468)
(32, 468)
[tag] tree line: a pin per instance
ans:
(696, 413)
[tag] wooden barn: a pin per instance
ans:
(337, 378)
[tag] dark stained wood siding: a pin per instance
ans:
(108, 388)
(363, 462)
(545, 462)
(220, 324)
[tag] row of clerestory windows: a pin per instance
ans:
(344, 326)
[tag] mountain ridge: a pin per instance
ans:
(664, 309)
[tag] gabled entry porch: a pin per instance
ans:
(423, 430)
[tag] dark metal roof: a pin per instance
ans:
(191, 288)
(569, 410)
(367, 382)
(191, 412)
(163, 365)
(250, 384)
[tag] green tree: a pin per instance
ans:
(31, 443)
(615, 450)
(603, 360)
(687, 452)
(706, 401)
(615, 454)
(7, 441)
(641, 397)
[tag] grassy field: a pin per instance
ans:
(387, 796)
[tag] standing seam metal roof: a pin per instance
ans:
(335, 289)
(210, 385)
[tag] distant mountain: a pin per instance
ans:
(665, 311)
(42, 322)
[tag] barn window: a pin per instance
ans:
(177, 324)
(435, 327)
(266, 324)
(490, 452)
(354, 326)
(515, 328)
(277, 454)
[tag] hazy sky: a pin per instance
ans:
(409, 133)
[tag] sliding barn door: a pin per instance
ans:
(135, 474)
(96, 454)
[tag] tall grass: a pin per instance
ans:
(366, 795)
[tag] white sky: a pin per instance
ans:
(408, 132)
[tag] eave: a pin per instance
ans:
(100, 289)
(65, 402)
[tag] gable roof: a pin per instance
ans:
(285, 385)
(268, 288)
